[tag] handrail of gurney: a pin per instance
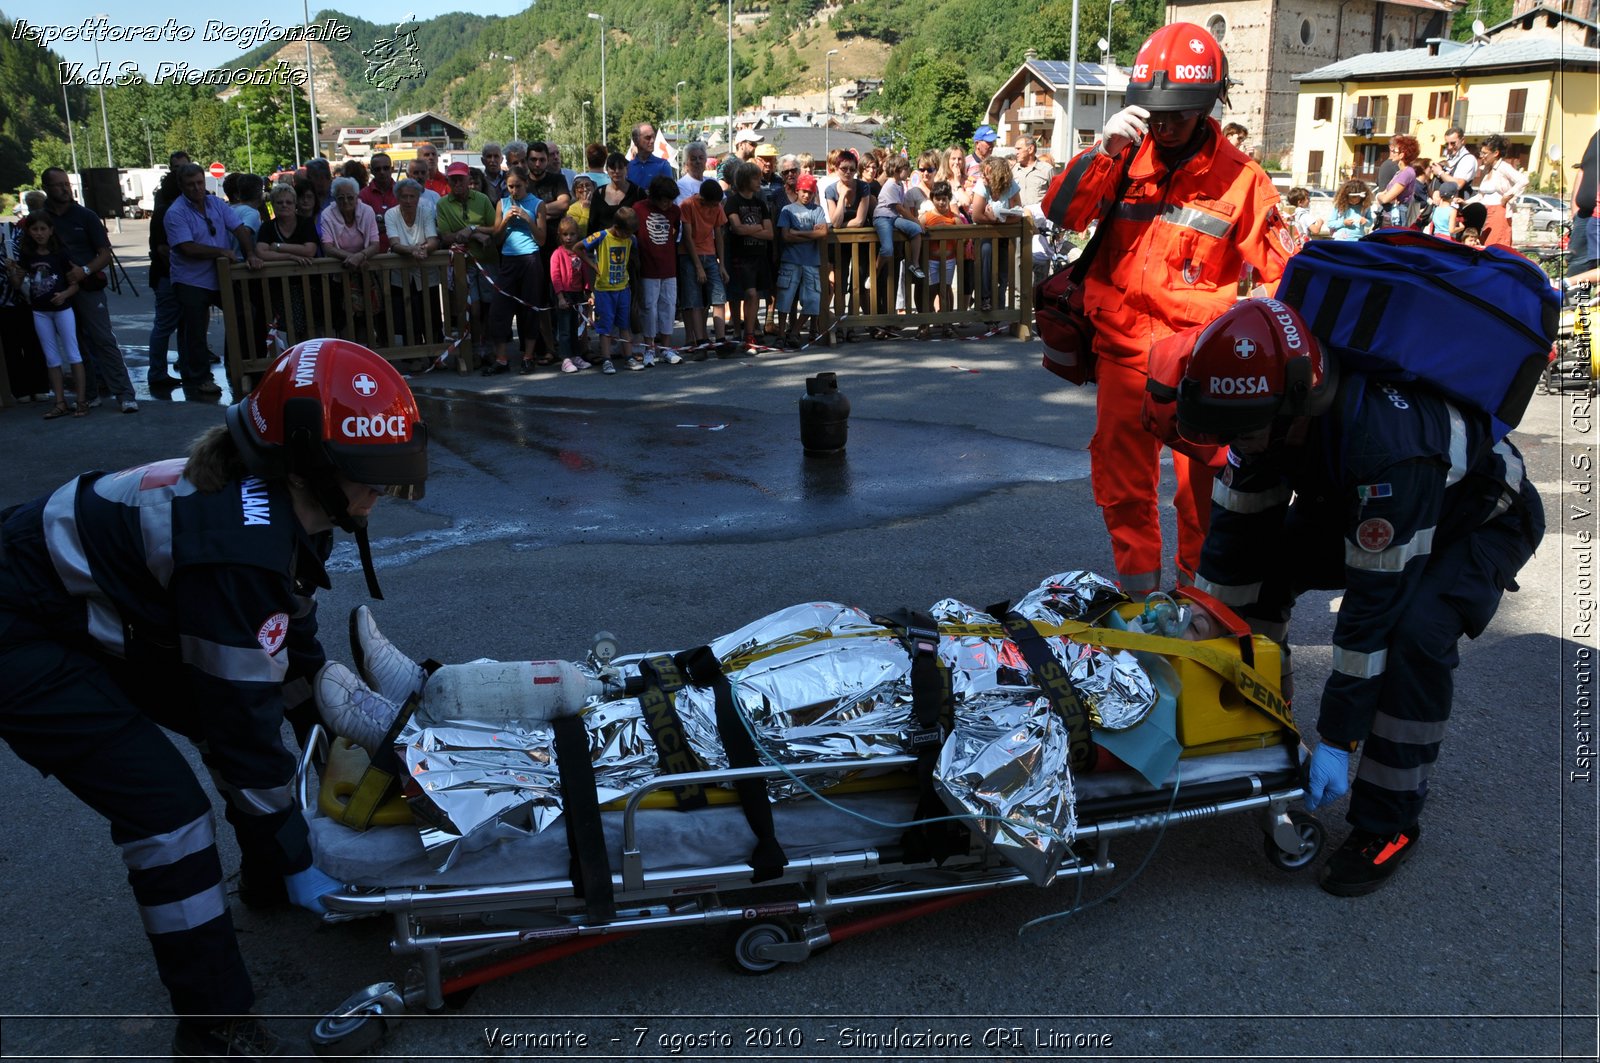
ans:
(633, 859)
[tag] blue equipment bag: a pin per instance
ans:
(1476, 324)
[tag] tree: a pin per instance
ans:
(932, 101)
(48, 151)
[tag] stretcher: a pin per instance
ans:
(486, 916)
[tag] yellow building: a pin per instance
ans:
(1541, 94)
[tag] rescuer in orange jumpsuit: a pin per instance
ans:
(1196, 217)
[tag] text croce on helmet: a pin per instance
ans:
(1181, 67)
(327, 407)
(1255, 364)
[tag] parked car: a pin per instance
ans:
(1549, 212)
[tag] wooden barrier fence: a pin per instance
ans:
(379, 306)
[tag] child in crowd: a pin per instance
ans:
(750, 250)
(608, 253)
(659, 223)
(44, 263)
(582, 193)
(703, 223)
(1442, 219)
(801, 225)
(1472, 237)
(1299, 201)
(1351, 220)
(570, 276)
(892, 215)
(939, 211)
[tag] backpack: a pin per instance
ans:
(1476, 324)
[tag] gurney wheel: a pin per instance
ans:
(746, 944)
(1311, 834)
(359, 1024)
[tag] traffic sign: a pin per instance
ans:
(218, 170)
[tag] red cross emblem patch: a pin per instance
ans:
(273, 630)
(1374, 534)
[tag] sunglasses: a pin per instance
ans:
(927, 169)
(789, 173)
(1173, 117)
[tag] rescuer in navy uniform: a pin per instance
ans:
(180, 594)
(1391, 492)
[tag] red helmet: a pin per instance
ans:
(1180, 68)
(332, 405)
(1254, 364)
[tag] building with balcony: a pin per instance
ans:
(1270, 42)
(1034, 100)
(1539, 93)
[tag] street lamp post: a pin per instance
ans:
(516, 91)
(71, 141)
(827, 98)
(677, 110)
(294, 124)
(149, 147)
(604, 132)
(249, 148)
(586, 105)
(730, 75)
(311, 78)
(105, 124)
(1072, 85)
(1105, 61)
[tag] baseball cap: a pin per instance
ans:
(456, 168)
(984, 132)
(747, 136)
(767, 151)
(805, 183)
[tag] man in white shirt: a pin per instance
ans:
(1457, 163)
(694, 170)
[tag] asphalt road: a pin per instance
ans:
(673, 505)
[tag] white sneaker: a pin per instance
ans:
(568, 365)
(579, 361)
(635, 364)
(385, 669)
(351, 709)
(129, 406)
(607, 368)
(673, 358)
(649, 359)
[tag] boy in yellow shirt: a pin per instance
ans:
(607, 253)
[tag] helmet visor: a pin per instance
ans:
(399, 470)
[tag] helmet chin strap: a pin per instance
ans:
(322, 479)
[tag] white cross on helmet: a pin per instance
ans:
(1244, 347)
(364, 384)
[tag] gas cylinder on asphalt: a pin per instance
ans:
(824, 416)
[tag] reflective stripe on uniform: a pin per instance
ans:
(1409, 732)
(155, 527)
(1359, 665)
(1175, 214)
(1240, 594)
(1513, 478)
(1248, 501)
(187, 914)
(236, 664)
(60, 521)
(1458, 446)
(1137, 584)
(1393, 559)
(1402, 780)
(296, 691)
(162, 850)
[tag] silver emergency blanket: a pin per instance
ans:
(815, 682)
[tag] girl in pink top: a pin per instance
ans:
(570, 276)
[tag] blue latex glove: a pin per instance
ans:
(308, 887)
(1330, 775)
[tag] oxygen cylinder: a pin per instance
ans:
(508, 692)
(824, 416)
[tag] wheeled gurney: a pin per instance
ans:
(484, 916)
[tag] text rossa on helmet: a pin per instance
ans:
(1181, 67)
(1253, 365)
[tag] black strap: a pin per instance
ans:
(933, 715)
(1053, 681)
(703, 669)
(663, 680)
(1080, 268)
(590, 868)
